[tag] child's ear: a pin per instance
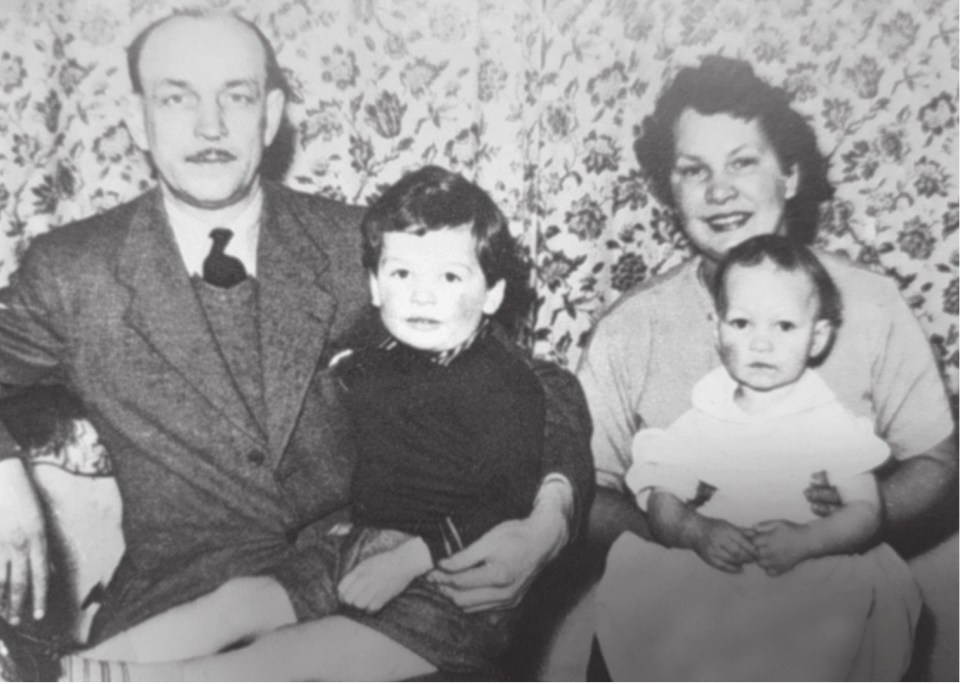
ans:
(494, 297)
(822, 332)
(374, 289)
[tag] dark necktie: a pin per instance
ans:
(219, 269)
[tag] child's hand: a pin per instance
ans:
(780, 545)
(378, 579)
(722, 545)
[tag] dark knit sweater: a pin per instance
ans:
(444, 452)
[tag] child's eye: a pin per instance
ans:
(786, 326)
(738, 323)
(452, 277)
(399, 273)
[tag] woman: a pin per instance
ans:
(734, 160)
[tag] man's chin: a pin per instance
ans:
(212, 200)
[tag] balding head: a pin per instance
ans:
(274, 78)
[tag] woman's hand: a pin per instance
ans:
(377, 580)
(780, 545)
(824, 498)
(720, 544)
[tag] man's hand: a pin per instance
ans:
(23, 544)
(382, 577)
(780, 544)
(496, 570)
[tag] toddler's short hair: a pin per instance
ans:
(788, 255)
(432, 198)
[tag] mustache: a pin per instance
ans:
(211, 154)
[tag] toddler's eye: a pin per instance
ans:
(399, 273)
(787, 326)
(738, 323)
(452, 277)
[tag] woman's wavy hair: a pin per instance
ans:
(721, 85)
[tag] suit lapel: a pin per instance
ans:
(164, 309)
(295, 314)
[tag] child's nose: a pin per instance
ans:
(422, 293)
(761, 342)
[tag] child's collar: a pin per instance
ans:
(447, 356)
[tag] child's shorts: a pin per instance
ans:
(420, 619)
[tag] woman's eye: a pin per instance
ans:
(742, 163)
(691, 171)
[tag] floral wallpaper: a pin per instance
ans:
(537, 100)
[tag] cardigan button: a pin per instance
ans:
(256, 458)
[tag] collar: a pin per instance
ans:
(445, 357)
(192, 235)
(714, 395)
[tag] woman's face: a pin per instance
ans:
(727, 182)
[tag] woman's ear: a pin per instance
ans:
(792, 182)
(494, 297)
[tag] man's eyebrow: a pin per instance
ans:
(176, 83)
(243, 82)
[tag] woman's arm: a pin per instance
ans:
(677, 524)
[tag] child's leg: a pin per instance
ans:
(332, 649)
(239, 610)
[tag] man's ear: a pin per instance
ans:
(494, 297)
(374, 289)
(822, 334)
(275, 105)
(134, 116)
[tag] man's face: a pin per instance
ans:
(205, 114)
(430, 288)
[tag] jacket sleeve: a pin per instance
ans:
(566, 447)
(31, 345)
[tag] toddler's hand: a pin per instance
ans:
(722, 545)
(380, 578)
(780, 545)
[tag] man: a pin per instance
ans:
(225, 438)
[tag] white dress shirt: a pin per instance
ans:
(192, 235)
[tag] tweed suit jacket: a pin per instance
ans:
(105, 305)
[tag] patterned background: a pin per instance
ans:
(537, 100)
